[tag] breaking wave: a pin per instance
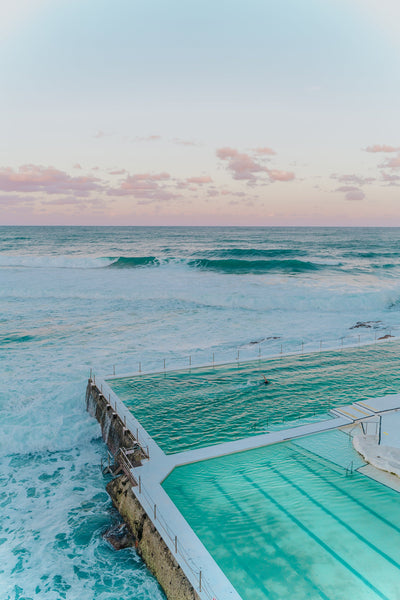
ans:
(237, 266)
(132, 262)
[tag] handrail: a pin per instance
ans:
(283, 349)
(161, 523)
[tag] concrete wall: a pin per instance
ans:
(149, 544)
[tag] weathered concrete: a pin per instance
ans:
(148, 542)
(113, 430)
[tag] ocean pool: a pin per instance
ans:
(199, 407)
(290, 520)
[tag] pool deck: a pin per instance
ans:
(193, 557)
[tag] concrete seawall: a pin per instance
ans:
(148, 542)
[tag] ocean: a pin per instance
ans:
(76, 298)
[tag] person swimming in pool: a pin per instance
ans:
(266, 380)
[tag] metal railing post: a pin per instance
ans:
(113, 369)
(140, 485)
(176, 544)
(200, 580)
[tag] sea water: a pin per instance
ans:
(76, 298)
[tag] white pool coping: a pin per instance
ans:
(192, 555)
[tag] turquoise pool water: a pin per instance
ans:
(189, 409)
(287, 522)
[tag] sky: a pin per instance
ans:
(189, 112)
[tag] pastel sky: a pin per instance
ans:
(200, 112)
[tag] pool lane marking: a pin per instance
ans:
(353, 499)
(270, 541)
(317, 539)
(257, 581)
(385, 556)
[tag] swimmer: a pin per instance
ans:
(266, 380)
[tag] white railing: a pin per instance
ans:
(267, 348)
(181, 553)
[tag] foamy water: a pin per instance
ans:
(75, 298)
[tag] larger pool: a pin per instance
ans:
(194, 408)
(293, 521)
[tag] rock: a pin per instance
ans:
(385, 337)
(119, 537)
(367, 324)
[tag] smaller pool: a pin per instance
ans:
(183, 410)
(290, 521)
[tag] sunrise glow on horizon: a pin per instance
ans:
(200, 113)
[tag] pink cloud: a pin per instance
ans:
(118, 172)
(264, 151)
(201, 180)
(275, 175)
(353, 179)
(185, 142)
(391, 179)
(100, 134)
(12, 199)
(381, 148)
(391, 163)
(351, 192)
(241, 165)
(149, 138)
(35, 178)
(147, 186)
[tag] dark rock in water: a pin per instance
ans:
(367, 324)
(119, 537)
(385, 337)
(271, 337)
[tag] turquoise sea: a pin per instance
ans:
(82, 297)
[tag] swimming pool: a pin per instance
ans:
(292, 521)
(194, 408)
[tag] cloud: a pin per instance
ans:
(146, 186)
(353, 179)
(351, 192)
(36, 178)
(201, 180)
(391, 163)
(241, 165)
(100, 134)
(245, 167)
(390, 179)
(149, 138)
(185, 142)
(264, 151)
(381, 148)
(276, 175)
(118, 172)
(12, 199)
